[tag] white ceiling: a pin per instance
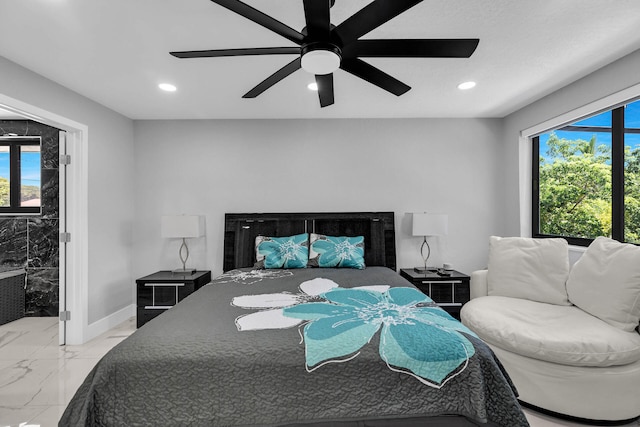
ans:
(115, 52)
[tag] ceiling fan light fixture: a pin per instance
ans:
(319, 59)
(320, 45)
(312, 86)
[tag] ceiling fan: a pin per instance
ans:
(324, 48)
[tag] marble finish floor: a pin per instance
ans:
(38, 377)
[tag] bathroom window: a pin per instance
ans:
(20, 175)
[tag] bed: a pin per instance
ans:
(322, 347)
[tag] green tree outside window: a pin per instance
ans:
(574, 186)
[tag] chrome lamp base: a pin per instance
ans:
(183, 271)
(183, 257)
(425, 269)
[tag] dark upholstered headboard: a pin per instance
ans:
(240, 231)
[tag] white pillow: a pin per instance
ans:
(533, 269)
(605, 282)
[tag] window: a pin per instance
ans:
(586, 182)
(19, 175)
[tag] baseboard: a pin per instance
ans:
(106, 323)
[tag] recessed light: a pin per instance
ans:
(466, 85)
(312, 86)
(167, 87)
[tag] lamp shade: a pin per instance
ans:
(182, 226)
(425, 224)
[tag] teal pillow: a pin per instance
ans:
(340, 252)
(282, 252)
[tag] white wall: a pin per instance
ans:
(615, 77)
(110, 191)
(403, 165)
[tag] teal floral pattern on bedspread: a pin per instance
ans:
(416, 337)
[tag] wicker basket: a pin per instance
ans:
(11, 296)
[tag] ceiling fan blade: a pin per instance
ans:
(262, 19)
(374, 75)
(236, 52)
(316, 14)
(274, 78)
(369, 17)
(412, 48)
(325, 89)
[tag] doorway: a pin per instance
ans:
(72, 218)
(33, 212)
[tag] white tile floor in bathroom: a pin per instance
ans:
(38, 377)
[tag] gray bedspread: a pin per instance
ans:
(299, 347)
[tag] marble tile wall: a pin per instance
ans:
(31, 242)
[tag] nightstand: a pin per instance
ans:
(160, 291)
(449, 292)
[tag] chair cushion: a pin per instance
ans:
(605, 282)
(534, 269)
(553, 333)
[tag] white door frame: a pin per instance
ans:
(62, 247)
(74, 273)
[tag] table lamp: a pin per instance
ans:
(426, 224)
(182, 227)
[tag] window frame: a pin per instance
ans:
(14, 143)
(618, 131)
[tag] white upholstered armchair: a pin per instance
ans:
(567, 337)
